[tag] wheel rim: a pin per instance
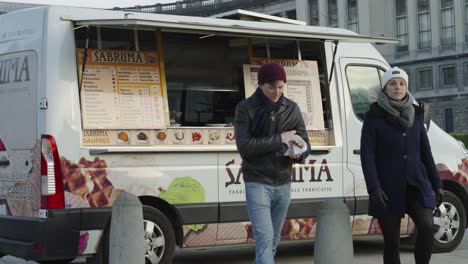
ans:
(154, 242)
(446, 223)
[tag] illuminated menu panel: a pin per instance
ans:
(121, 90)
(302, 87)
(100, 106)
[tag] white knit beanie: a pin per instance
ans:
(394, 72)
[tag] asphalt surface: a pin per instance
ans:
(366, 251)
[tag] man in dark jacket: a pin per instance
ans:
(266, 125)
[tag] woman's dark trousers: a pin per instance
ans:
(390, 226)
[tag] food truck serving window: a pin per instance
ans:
(204, 77)
(147, 87)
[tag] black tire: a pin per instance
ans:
(159, 237)
(449, 224)
(60, 261)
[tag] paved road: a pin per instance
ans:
(366, 251)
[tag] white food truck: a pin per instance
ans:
(97, 102)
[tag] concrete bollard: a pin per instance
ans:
(333, 240)
(127, 239)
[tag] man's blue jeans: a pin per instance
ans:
(267, 207)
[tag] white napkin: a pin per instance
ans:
(296, 149)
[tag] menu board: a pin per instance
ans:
(121, 90)
(302, 87)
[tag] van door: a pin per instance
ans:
(18, 89)
(18, 99)
(361, 82)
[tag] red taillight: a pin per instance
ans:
(2, 146)
(38, 247)
(52, 184)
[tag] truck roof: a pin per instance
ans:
(241, 14)
(90, 16)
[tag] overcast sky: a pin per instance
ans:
(93, 3)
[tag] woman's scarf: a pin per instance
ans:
(402, 110)
(263, 117)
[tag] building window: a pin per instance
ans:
(466, 20)
(332, 13)
(402, 25)
(353, 17)
(292, 14)
(448, 76)
(424, 79)
(424, 23)
(465, 73)
(447, 34)
(409, 76)
(314, 13)
(448, 113)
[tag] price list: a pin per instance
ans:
(158, 106)
(135, 106)
(303, 87)
(300, 92)
(100, 101)
(122, 97)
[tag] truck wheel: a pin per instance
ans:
(61, 261)
(159, 237)
(449, 224)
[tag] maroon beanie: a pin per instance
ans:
(271, 71)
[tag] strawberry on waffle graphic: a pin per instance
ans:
(88, 180)
(460, 176)
(292, 229)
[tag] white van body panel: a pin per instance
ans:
(18, 92)
(445, 149)
(62, 116)
(21, 46)
(21, 49)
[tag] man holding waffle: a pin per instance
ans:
(266, 126)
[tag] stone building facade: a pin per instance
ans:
(433, 46)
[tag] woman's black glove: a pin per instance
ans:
(439, 195)
(378, 196)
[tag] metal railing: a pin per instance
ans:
(198, 7)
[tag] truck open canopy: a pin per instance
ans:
(241, 14)
(95, 17)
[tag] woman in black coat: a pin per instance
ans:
(398, 167)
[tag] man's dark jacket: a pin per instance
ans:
(393, 157)
(262, 157)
